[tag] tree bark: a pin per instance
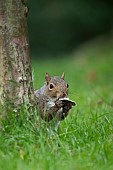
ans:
(16, 87)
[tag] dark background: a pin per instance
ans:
(60, 26)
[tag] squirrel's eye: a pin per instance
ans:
(51, 86)
(67, 85)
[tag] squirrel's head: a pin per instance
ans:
(56, 87)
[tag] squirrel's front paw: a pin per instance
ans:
(58, 103)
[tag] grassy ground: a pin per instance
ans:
(85, 137)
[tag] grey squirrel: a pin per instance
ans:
(52, 98)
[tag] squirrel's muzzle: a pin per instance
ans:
(61, 95)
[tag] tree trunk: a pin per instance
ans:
(16, 87)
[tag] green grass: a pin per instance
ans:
(85, 137)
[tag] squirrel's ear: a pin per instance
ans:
(63, 75)
(48, 78)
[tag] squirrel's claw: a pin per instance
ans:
(58, 103)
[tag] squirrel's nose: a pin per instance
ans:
(64, 94)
